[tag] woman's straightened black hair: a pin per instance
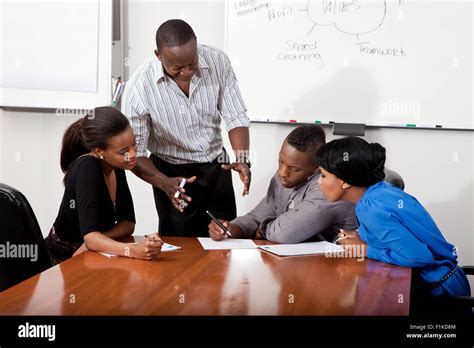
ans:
(89, 132)
(353, 160)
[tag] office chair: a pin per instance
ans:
(24, 249)
(464, 304)
(392, 177)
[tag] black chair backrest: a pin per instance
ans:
(23, 251)
(392, 177)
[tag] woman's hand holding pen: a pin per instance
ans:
(171, 186)
(350, 238)
(345, 237)
(148, 248)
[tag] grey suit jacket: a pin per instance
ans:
(297, 215)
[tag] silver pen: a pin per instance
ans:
(339, 239)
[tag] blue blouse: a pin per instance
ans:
(398, 230)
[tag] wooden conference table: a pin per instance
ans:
(193, 281)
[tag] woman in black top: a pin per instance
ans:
(97, 206)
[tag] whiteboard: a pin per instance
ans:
(382, 63)
(56, 54)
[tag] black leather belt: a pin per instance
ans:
(445, 277)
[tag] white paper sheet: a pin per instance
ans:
(169, 247)
(228, 243)
(165, 247)
(314, 248)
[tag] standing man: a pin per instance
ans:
(175, 103)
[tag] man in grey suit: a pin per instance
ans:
(294, 209)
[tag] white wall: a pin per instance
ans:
(437, 166)
(31, 147)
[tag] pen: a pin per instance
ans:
(116, 95)
(219, 223)
(181, 184)
(117, 91)
(339, 239)
(341, 236)
(151, 240)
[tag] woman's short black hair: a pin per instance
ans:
(353, 160)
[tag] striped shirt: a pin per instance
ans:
(180, 129)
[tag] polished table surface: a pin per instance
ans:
(193, 281)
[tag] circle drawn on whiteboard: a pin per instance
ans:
(354, 17)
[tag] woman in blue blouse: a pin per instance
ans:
(394, 226)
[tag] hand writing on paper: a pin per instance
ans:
(147, 249)
(216, 233)
(349, 239)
